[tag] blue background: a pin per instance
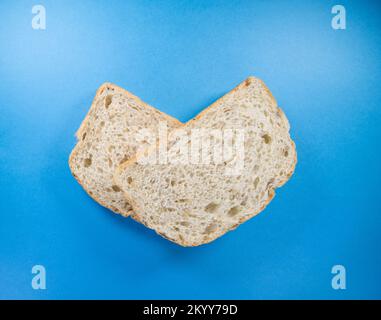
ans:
(180, 56)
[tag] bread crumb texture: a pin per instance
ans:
(193, 204)
(107, 138)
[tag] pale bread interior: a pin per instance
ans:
(193, 204)
(107, 137)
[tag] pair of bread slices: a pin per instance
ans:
(188, 202)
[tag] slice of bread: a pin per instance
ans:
(107, 137)
(192, 203)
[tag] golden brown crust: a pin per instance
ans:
(133, 160)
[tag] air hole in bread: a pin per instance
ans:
(87, 162)
(186, 214)
(182, 200)
(233, 211)
(286, 153)
(210, 228)
(124, 159)
(84, 136)
(129, 180)
(115, 188)
(108, 100)
(270, 183)
(212, 207)
(266, 138)
(256, 181)
(184, 223)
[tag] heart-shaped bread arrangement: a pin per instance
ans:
(189, 182)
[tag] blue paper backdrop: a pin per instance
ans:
(179, 56)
